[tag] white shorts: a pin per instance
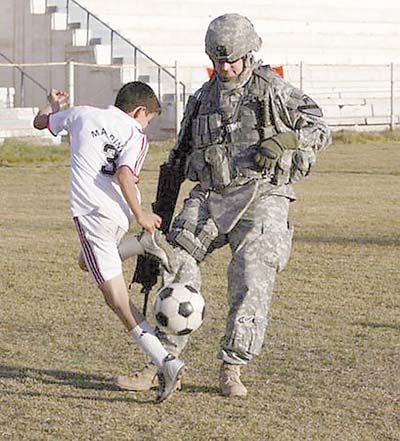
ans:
(99, 238)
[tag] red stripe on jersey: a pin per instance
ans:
(90, 258)
(142, 154)
(130, 169)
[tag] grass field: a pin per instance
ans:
(330, 368)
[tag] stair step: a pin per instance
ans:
(95, 41)
(18, 123)
(28, 133)
(118, 60)
(16, 113)
(75, 25)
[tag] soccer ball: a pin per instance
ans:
(179, 309)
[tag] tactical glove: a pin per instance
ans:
(271, 149)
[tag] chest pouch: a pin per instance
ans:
(218, 160)
(207, 130)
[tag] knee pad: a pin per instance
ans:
(195, 241)
(187, 270)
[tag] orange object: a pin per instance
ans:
(278, 70)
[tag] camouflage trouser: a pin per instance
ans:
(260, 244)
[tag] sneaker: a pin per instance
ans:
(156, 245)
(145, 379)
(229, 381)
(168, 377)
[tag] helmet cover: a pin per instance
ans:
(230, 37)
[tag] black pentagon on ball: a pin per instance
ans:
(203, 313)
(190, 288)
(185, 331)
(165, 293)
(185, 309)
(162, 319)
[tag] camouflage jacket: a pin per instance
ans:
(265, 106)
(221, 129)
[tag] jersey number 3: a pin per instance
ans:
(112, 155)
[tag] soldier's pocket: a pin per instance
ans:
(197, 169)
(285, 248)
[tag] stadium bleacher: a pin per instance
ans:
(353, 44)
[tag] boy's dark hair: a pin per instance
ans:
(135, 94)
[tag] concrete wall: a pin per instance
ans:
(338, 32)
(332, 31)
(27, 37)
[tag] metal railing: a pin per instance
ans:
(23, 76)
(120, 47)
(362, 95)
(87, 84)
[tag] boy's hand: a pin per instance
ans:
(149, 221)
(58, 99)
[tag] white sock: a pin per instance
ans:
(144, 336)
(129, 247)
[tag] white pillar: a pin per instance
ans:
(301, 72)
(178, 107)
(38, 6)
(391, 96)
(71, 82)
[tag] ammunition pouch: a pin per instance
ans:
(207, 130)
(219, 163)
(188, 236)
(212, 166)
(209, 162)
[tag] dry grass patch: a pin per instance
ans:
(330, 366)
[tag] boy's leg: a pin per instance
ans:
(169, 368)
(117, 298)
(188, 272)
(153, 244)
(99, 239)
(193, 233)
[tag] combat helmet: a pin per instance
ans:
(230, 37)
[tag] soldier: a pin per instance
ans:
(246, 137)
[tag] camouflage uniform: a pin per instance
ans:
(236, 202)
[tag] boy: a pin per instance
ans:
(108, 148)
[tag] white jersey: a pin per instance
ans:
(102, 140)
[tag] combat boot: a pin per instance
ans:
(145, 379)
(229, 381)
(156, 245)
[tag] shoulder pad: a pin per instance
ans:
(308, 106)
(265, 72)
(192, 104)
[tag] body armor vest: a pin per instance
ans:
(225, 132)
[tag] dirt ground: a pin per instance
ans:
(330, 367)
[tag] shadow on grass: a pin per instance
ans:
(52, 376)
(125, 398)
(194, 389)
(375, 325)
(84, 382)
(64, 378)
(349, 240)
(356, 172)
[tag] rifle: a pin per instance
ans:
(169, 182)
